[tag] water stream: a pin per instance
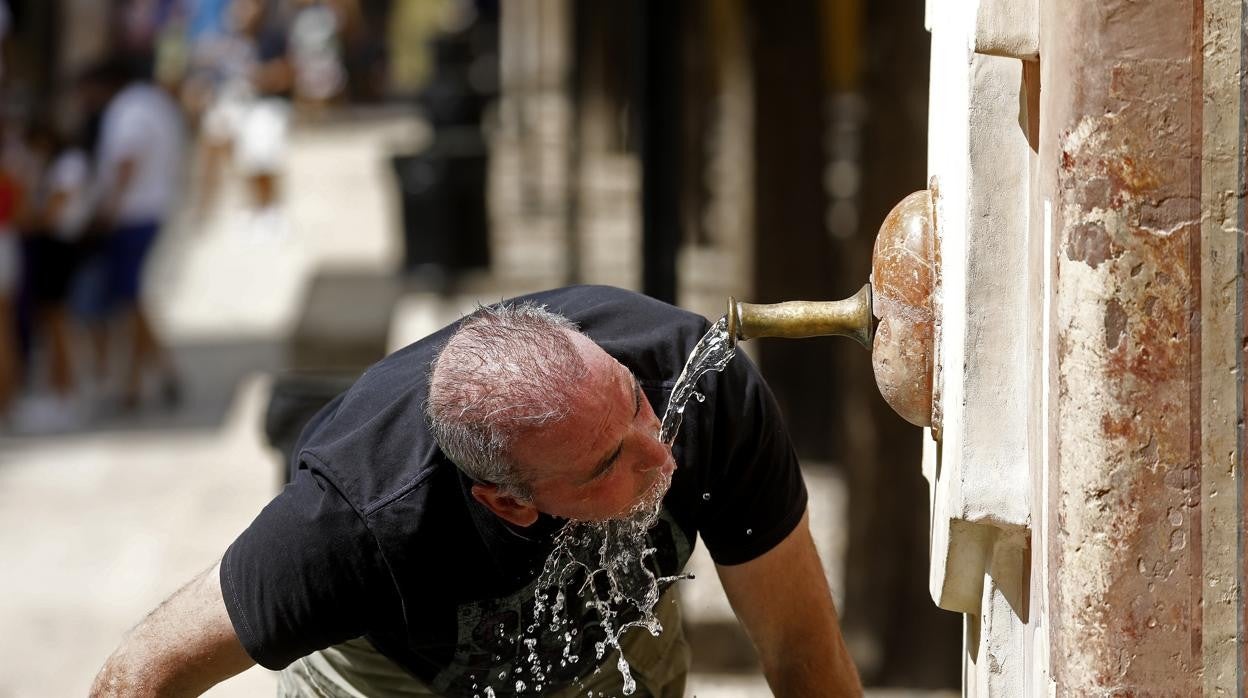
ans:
(711, 353)
(609, 565)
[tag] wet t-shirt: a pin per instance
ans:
(378, 535)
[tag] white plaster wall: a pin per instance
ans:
(979, 160)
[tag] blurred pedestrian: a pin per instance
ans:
(316, 54)
(53, 220)
(249, 114)
(6, 22)
(10, 266)
(139, 158)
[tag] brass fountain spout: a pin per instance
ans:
(903, 295)
(850, 317)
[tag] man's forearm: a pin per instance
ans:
(127, 675)
(783, 601)
(183, 648)
(813, 668)
(137, 670)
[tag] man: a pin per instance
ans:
(402, 559)
(139, 155)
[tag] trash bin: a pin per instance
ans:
(442, 190)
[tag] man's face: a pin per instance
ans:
(606, 458)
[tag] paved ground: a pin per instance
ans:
(98, 526)
(96, 529)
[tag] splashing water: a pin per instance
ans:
(609, 565)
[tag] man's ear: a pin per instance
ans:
(505, 506)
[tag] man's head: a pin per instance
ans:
(543, 419)
(98, 83)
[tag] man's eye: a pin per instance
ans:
(602, 474)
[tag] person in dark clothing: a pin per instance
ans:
(11, 195)
(403, 557)
(55, 220)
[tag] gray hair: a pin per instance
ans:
(507, 369)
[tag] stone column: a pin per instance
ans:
(1141, 185)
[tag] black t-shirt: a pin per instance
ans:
(377, 533)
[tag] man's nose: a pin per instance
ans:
(654, 453)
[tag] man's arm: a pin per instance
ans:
(106, 216)
(783, 600)
(183, 648)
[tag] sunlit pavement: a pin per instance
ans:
(97, 527)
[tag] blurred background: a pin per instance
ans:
(215, 213)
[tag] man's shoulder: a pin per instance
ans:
(652, 338)
(621, 321)
(579, 297)
(142, 101)
(607, 310)
(372, 440)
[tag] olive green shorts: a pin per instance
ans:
(355, 669)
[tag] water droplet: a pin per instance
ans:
(519, 686)
(502, 674)
(749, 531)
(629, 684)
(706, 496)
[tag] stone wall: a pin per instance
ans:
(1142, 184)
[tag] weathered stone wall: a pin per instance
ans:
(1122, 132)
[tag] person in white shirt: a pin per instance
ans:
(139, 158)
(249, 116)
